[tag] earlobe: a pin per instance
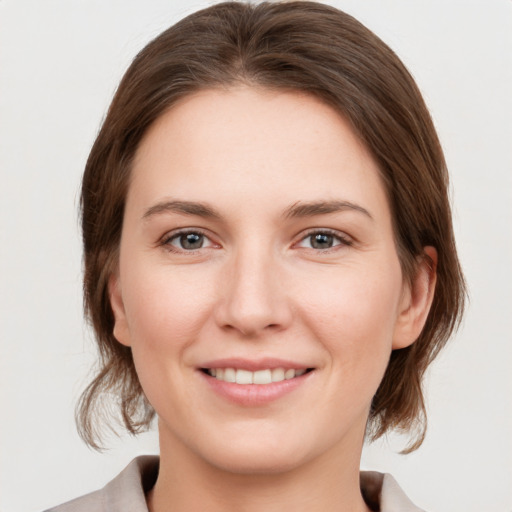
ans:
(121, 331)
(417, 301)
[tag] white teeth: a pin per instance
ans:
(258, 377)
(277, 374)
(289, 374)
(229, 375)
(262, 377)
(243, 377)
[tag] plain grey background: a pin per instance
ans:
(60, 61)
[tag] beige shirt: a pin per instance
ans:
(126, 493)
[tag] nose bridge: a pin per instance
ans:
(253, 299)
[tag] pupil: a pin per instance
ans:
(321, 241)
(191, 241)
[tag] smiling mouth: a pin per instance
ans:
(268, 376)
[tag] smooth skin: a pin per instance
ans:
(257, 226)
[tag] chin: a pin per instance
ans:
(257, 461)
(258, 451)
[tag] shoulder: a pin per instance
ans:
(382, 492)
(125, 493)
(93, 501)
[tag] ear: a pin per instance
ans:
(121, 330)
(416, 301)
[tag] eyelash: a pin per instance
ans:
(167, 239)
(341, 238)
(344, 240)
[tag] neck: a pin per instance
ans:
(186, 482)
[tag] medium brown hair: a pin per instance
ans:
(304, 46)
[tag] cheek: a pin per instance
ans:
(165, 312)
(354, 312)
(165, 307)
(355, 323)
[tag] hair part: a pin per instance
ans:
(299, 46)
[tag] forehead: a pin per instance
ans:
(251, 143)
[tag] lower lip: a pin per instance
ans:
(255, 394)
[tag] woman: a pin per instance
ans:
(269, 262)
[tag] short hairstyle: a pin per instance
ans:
(296, 46)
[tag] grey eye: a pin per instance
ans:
(188, 241)
(321, 241)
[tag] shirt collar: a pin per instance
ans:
(126, 493)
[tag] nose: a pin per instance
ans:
(253, 299)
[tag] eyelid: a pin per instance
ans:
(344, 239)
(165, 241)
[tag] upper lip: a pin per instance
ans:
(253, 365)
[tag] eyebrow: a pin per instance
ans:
(183, 207)
(296, 210)
(300, 209)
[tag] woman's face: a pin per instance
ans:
(257, 246)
